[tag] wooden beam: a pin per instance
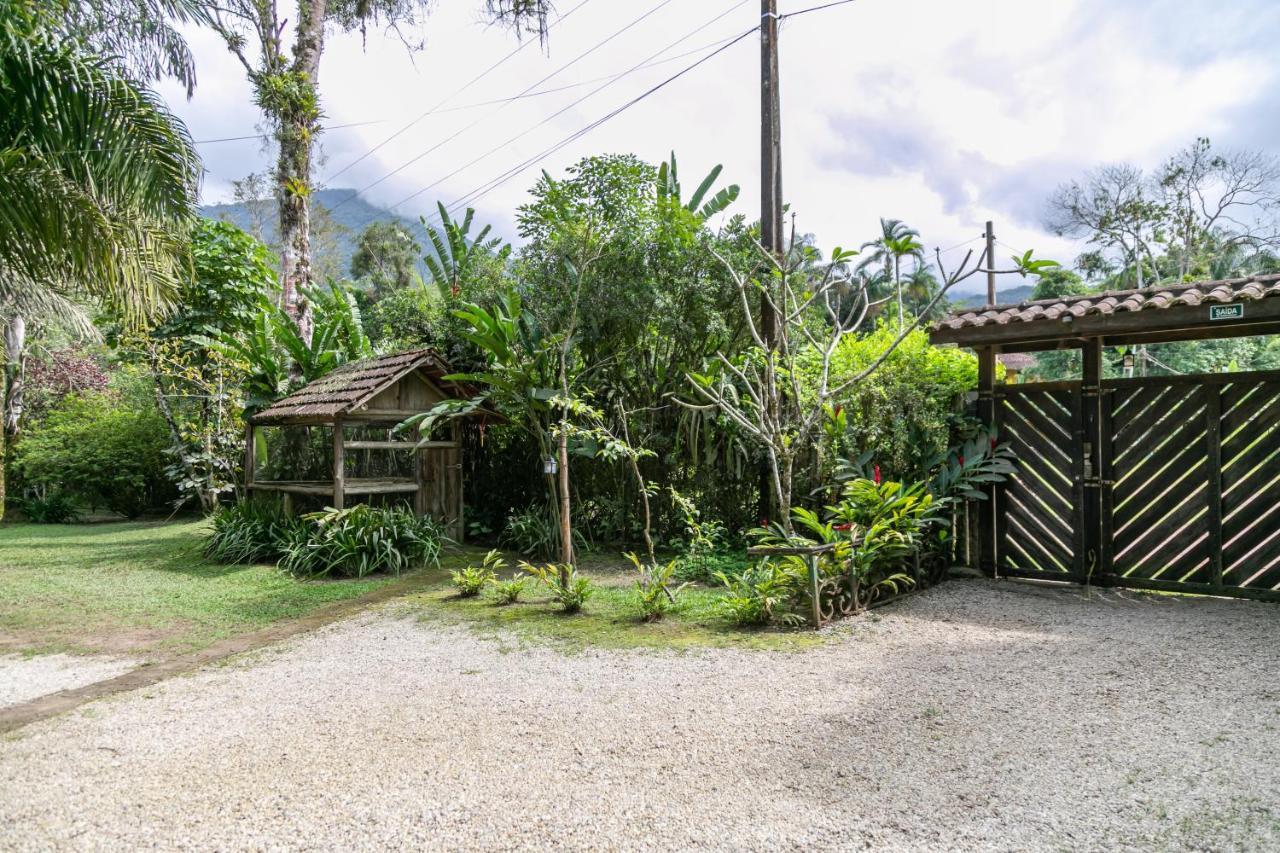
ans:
(1213, 457)
(1088, 485)
(399, 445)
(339, 465)
(324, 488)
(987, 551)
(250, 458)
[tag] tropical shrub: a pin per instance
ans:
(567, 588)
(654, 596)
(533, 532)
(96, 451)
(704, 543)
(508, 591)
(360, 541)
(53, 508)
(764, 593)
(472, 579)
(252, 532)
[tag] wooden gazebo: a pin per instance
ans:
(355, 410)
(1163, 482)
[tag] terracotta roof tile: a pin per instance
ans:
(1161, 296)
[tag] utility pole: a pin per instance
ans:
(991, 264)
(770, 156)
(770, 193)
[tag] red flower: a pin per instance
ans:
(993, 442)
(764, 522)
(961, 458)
(876, 472)
(839, 409)
(842, 526)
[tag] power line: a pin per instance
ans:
(814, 9)
(458, 133)
(573, 104)
(456, 92)
(496, 182)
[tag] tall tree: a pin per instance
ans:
(99, 182)
(385, 259)
(1115, 209)
(897, 240)
(286, 83)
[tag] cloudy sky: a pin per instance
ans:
(940, 113)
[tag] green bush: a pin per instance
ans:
(764, 593)
(508, 591)
(654, 595)
(93, 449)
(252, 532)
(471, 580)
(567, 589)
(53, 508)
(362, 540)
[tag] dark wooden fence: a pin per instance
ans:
(1187, 484)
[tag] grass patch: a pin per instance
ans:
(609, 620)
(140, 588)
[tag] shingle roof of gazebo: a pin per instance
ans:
(351, 385)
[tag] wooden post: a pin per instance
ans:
(991, 263)
(250, 460)
(339, 465)
(1213, 458)
(420, 496)
(987, 546)
(1089, 490)
(815, 611)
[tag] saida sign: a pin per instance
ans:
(1227, 312)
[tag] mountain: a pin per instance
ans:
(1010, 296)
(338, 217)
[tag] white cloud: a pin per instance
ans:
(940, 113)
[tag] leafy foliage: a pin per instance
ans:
(52, 508)
(508, 591)
(252, 532)
(568, 589)
(362, 540)
(761, 595)
(654, 595)
(469, 581)
(100, 451)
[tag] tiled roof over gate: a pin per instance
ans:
(1198, 293)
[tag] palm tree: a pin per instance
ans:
(98, 181)
(897, 240)
(456, 252)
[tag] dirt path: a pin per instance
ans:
(974, 716)
(51, 704)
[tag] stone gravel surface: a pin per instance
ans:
(26, 678)
(978, 715)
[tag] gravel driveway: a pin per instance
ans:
(975, 716)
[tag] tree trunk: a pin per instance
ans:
(15, 349)
(897, 283)
(297, 125)
(566, 524)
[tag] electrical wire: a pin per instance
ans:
(494, 112)
(455, 93)
(573, 104)
(496, 182)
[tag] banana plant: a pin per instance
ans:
(669, 190)
(456, 252)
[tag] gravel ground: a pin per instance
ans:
(974, 716)
(26, 678)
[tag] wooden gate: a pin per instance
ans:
(1191, 483)
(1039, 523)
(1186, 496)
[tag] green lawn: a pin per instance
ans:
(608, 620)
(144, 589)
(138, 589)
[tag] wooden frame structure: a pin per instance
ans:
(1158, 482)
(377, 392)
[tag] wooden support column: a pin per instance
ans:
(339, 465)
(987, 550)
(1213, 458)
(1089, 486)
(250, 459)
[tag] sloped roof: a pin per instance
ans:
(1228, 290)
(351, 385)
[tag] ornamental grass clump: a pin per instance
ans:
(654, 596)
(360, 541)
(252, 532)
